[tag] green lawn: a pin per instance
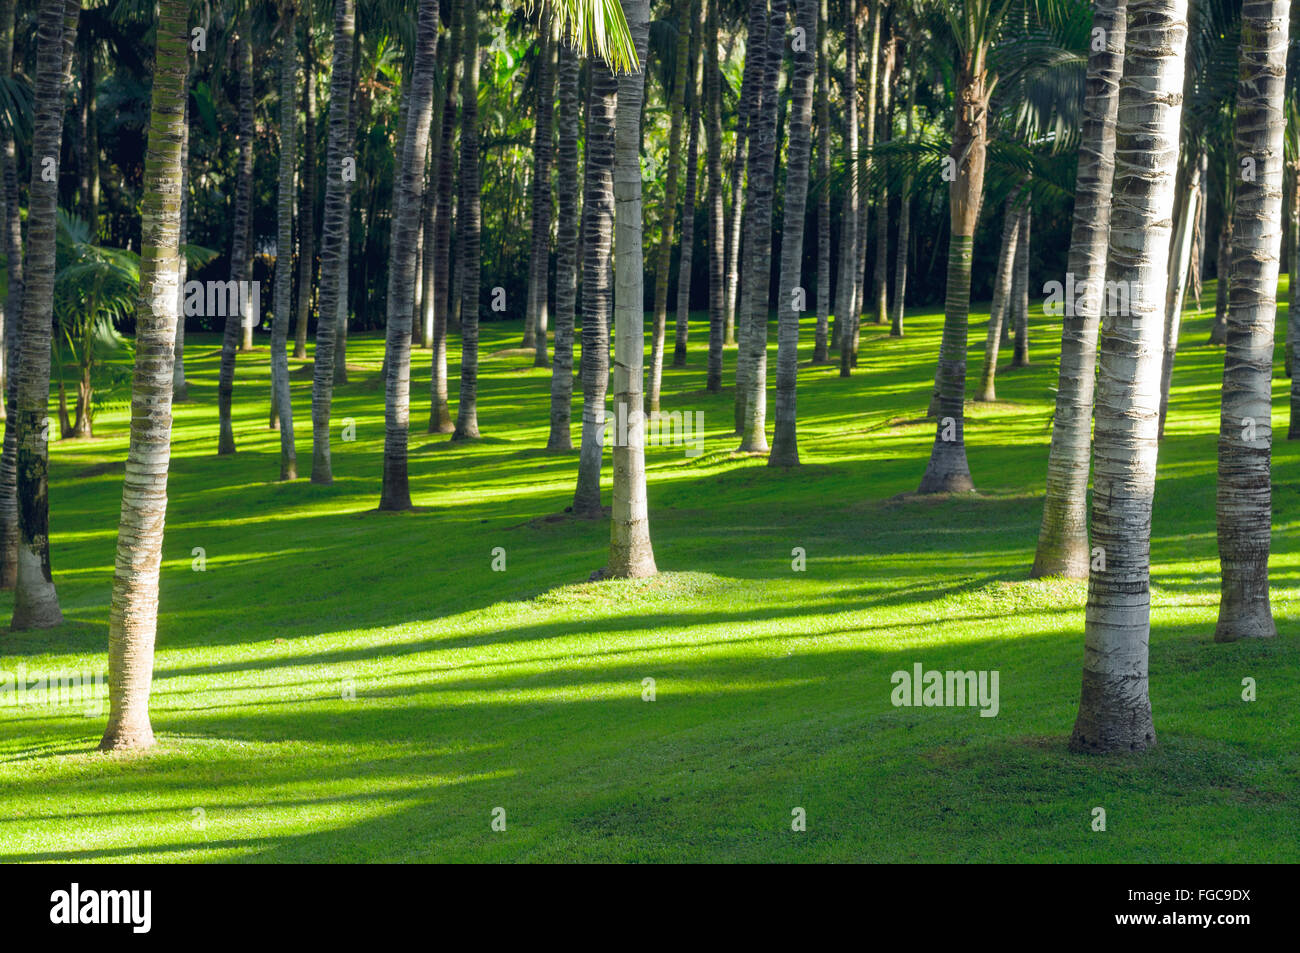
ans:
(522, 689)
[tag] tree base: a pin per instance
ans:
(1252, 621)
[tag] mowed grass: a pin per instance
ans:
(523, 689)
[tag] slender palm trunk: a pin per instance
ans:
(1012, 212)
(307, 207)
(342, 308)
(566, 253)
(820, 347)
(242, 254)
(1115, 706)
(845, 300)
(1020, 290)
(13, 246)
(539, 270)
(736, 222)
(686, 258)
(785, 445)
(762, 179)
(885, 133)
(598, 224)
(1188, 205)
(133, 614)
(36, 604)
(395, 493)
(717, 218)
(180, 388)
(904, 218)
(664, 257)
(1219, 329)
(1063, 536)
(333, 237)
(1293, 309)
(439, 412)
(631, 555)
(284, 243)
(1245, 505)
(469, 227)
(948, 470)
(755, 50)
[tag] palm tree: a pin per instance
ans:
(469, 224)
(133, 616)
(1115, 706)
(717, 218)
(1244, 503)
(36, 604)
(663, 263)
(885, 133)
(998, 311)
(566, 253)
(820, 351)
(439, 413)
(240, 252)
(1020, 290)
(904, 213)
(539, 254)
(180, 387)
(631, 555)
(755, 59)
(1063, 537)
(785, 445)
(13, 247)
(307, 208)
(686, 258)
(396, 492)
(597, 248)
(974, 26)
(846, 297)
(758, 247)
(284, 242)
(333, 237)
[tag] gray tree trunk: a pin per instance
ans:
(469, 228)
(285, 201)
(566, 254)
(717, 219)
(1244, 504)
(1114, 705)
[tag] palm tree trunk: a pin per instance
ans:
(36, 604)
(758, 252)
(598, 223)
(755, 51)
(307, 208)
(439, 412)
(566, 253)
(13, 246)
(1219, 329)
(342, 302)
(240, 256)
(133, 614)
(785, 445)
(333, 237)
(1293, 309)
(396, 493)
(1245, 505)
(180, 388)
(686, 258)
(470, 233)
(1063, 536)
(820, 346)
(846, 298)
(631, 555)
(948, 471)
(1115, 706)
(1011, 215)
(243, 247)
(882, 202)
(539, 270)
(284, 243)
(904, 217)
(717, 219)
(664, 258)
(1020, 290)
(1179, 262)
